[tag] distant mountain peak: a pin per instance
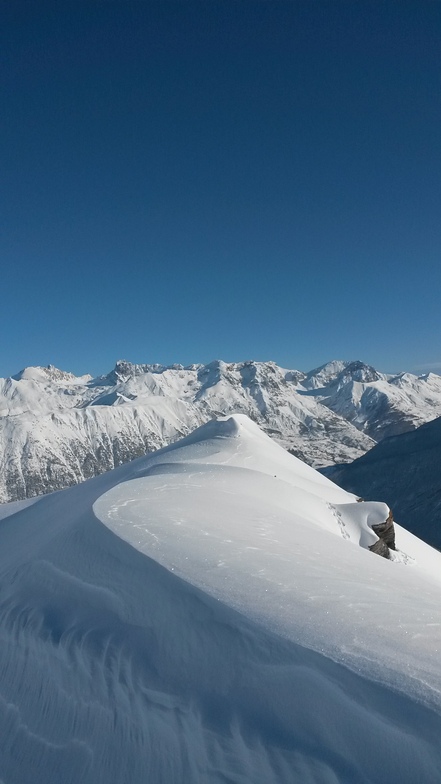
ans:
(359, 371)
(325, 374)
(46, 373)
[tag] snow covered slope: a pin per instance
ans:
(209, 614)
(57, 429)
(404, 471)
(380, 405)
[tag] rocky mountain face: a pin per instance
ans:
(404, 471)
(57, 429)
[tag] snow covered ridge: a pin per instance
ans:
(204, 615)
(380, 405)
(57, 429)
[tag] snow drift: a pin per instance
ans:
(209, 614)
(404, 470)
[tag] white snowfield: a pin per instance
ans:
(210, 614)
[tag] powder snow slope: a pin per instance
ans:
(226, 623)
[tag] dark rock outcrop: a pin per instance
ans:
(386, 541)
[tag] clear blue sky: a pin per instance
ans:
(234, 179)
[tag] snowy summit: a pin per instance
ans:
(210, 613)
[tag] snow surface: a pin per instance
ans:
(235, 629)
(405, 471)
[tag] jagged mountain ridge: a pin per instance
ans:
(57, 429)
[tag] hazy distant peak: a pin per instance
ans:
(124, 370)
(48, 373)
(322, 376)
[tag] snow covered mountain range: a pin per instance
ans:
(212, 613)
(57, 429)
(405, 472)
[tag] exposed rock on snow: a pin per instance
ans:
(386, 537)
